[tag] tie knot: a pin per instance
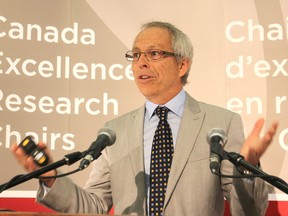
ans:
(162, 112)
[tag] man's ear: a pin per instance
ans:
(183, 67)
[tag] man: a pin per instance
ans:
(161, 58)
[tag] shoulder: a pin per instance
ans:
(212, 114)
(210, 108)
(199, 106)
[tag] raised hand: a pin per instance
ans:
(254, 145)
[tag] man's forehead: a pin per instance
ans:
(152, 38)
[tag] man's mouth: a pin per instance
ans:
(144, 77)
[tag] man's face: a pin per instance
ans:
(158, 80)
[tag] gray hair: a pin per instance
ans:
(181, 44)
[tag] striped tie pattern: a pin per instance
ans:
(161, 159)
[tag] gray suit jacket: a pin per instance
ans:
(117, 178)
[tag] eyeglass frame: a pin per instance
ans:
(162, 54)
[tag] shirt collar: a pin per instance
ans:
(176, 105)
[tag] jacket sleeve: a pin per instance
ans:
(66, 196)
(246, 197)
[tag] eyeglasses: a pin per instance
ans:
(154, 54)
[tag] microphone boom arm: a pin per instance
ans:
(238, 161)
(67, 160)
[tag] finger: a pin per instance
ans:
(14, 147)
(29, 164)
(22, 157)
(273, 128)
(42, 145)
(268, 137)
(18, 152)
(257, 127)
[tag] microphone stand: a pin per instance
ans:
(67, 160)
(238, 161)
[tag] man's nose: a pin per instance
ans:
(143, 61)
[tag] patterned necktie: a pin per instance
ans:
(161, 159)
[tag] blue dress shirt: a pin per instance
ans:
(176, 106)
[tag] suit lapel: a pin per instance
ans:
(136, 152)
(135, 140)
(190, 126)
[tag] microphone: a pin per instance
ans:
(106, 137)
(30, 148)
(217, 139)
